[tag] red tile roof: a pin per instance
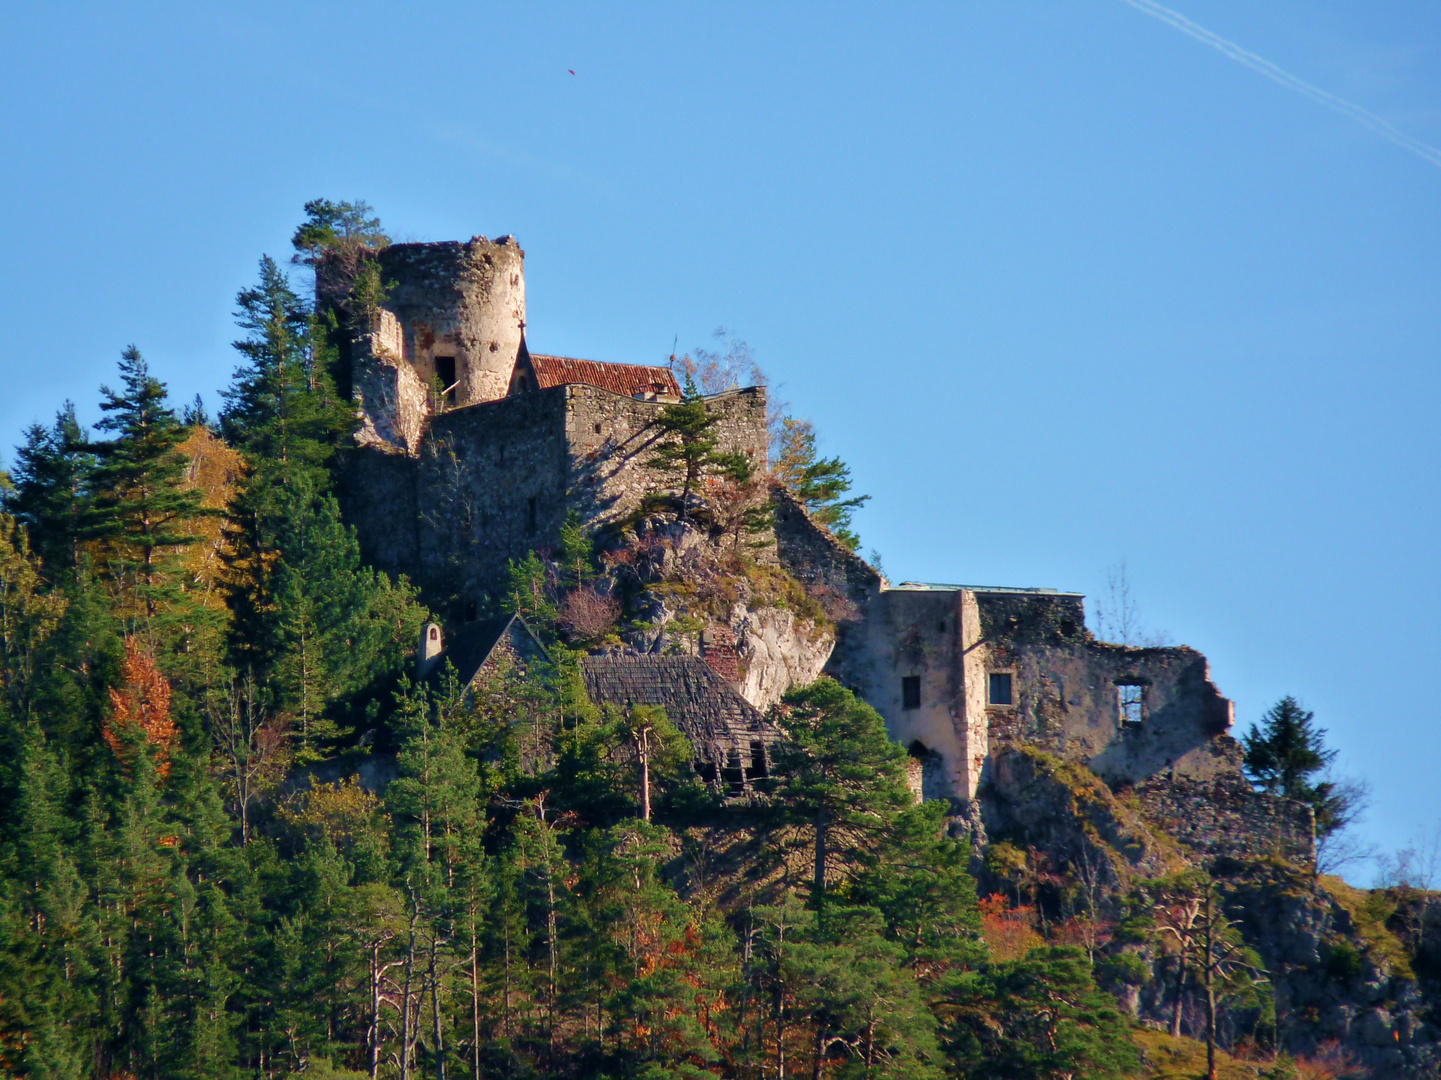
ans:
(625, 379)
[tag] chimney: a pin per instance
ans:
(718, 649)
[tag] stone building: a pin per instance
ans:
(962, 673)
(471, 449)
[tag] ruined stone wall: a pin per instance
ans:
(835, 575)
(492, 487)
(923, 637)
(496, 479)
(1067, 701)
(611, 438)
(1223, 816)
(1026, 618)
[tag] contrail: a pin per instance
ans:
(1346, 108)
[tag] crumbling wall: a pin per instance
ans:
(612, 437)
(1067, 702)
(1223, 816)
(465, 300)
(492, 487)
(912, 668)
(844, 583)
(377, 494)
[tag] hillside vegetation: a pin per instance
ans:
(188, 627)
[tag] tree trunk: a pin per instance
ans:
(645, 774)
(1180, 992)
(475, 1001)
(435, 1011)
(407, 1034)
(822, 824)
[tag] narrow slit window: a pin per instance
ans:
(911, 692)
(1000, 688)
(1132, 704)
(530, 514)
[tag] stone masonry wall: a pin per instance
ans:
(495, 480)
(1224, 817)
(611, 437)
(1067, 702)
(461, 299)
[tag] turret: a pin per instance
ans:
(447, 335)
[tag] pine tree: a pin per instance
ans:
(1285, 751)
(842, 776)
(819, 484)
(685, 449)
(52, 476)
(1041, 1016)
(142, 504)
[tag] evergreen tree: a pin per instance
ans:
(141, 503)
(1285, 752)
(1039, 1017)
(685, 449)
(819, 484)
(52, 476)
(842, 776)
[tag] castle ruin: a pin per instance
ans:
(472, 451)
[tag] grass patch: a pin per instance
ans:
(1369, 909)
(1166, 1058)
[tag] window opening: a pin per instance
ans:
(911, 692)
(445, 372)
(758, 759)
(1131, 698)
(597, 428)
(1000, 688)
(941, 626)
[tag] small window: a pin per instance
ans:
(530, 511)
(1001, 688)
(758, 759)
(911, 692)
(941, 626)
(435, 633)
(597, 428)
(445, 372)
(1131, 698)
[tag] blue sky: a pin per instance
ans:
(1063, 285)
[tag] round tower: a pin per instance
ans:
(461, 310)
(492, 317)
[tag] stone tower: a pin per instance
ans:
(448, 335)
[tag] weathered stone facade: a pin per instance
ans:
(962, 673)
(462, 464)
(472, 453)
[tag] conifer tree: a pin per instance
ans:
(141, 503)
(820, 484)
(52, 478)
(842, 776)
(1285, 752)
(685, 450)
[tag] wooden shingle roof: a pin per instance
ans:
(706, 708)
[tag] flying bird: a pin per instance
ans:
(571, 70)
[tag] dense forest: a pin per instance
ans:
(547, 889)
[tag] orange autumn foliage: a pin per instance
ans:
(1010, 932)
(141, 703)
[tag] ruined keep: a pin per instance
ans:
(472, 451)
